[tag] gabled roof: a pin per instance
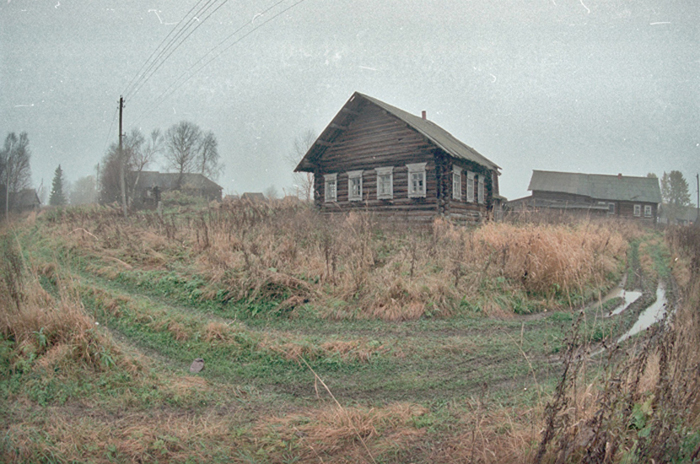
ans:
(169, 180)
(431, 131)
(253, 196)
(598, 186)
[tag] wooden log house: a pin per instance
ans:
(377, 158)
(615, 196)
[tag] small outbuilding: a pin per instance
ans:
(378, 158)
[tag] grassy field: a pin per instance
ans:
(324, 340)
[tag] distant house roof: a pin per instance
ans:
(598, 186)
(253, 196)
(434, 133)
(26, 199)
(169, 181)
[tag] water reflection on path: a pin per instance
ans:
(629, 297)
(649, 316)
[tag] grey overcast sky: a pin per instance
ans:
(594, 86)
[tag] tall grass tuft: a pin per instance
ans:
(44, 328)
(646, 405)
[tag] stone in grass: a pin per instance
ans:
(197, 366)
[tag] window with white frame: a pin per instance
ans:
(385, 183)
(416, 180)
(354, 185)
(470, 187)
(647, 211)
(456, 182)
(637, 210)
(331, 187)
(480, 192)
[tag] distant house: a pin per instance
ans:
(253, 197)
(615, 196)
(149, 184)
(375, 157)
(685, 216)
(24, 200)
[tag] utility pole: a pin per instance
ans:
(8, 168)
(122, 161)
(697, 189)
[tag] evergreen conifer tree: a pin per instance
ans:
(57, 198)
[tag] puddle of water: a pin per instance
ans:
(629, 297)
(649, 316)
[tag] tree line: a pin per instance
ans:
(15, 169)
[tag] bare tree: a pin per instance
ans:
(182, 142)
(138, 154)
(208, 157)
(83, 191)
(303, 181)
(271, 193)
(15, 169)
(143, 153)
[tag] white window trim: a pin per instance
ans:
(330, 179)
(456, 182)
(352, 175)
(386, 171)
(481, 192)
(416, 168)
(637, 210)
(470, 187)
(647, 208)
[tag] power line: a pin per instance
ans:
(165, 92)
(133, 79)
(184, 24)
(177, 42)
(159, 100)
(172, 46)
(111, 126)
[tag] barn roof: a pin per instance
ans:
(598, 186)
(169, 180)
(431, 131)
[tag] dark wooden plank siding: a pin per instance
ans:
(375, 139)
(461, 209)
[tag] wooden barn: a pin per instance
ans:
(146, 183)
(375, 157)
(597, 194)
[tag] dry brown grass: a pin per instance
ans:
(646, 405)
(346, 435)
(91, 436)
(52, 330)
(295, 256)
(491, 437)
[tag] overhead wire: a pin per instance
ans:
(151, 56)
(160, 99)
(154, 68)
(111, 126)
(211, 50)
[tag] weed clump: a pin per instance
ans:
(646, 405)
(45, 329)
